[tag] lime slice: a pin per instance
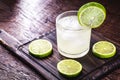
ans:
(69, 67)
(92, 14)
(40, 48)
(104, 49)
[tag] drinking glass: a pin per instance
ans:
(73, 40)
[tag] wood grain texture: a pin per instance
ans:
(93, 68)
(27, 19)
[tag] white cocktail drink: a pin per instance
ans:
(73, 40)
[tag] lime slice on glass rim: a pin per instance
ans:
(69, 67)
(104, 49)
(91, 14)
(40, 48)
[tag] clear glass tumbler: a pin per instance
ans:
(73, 40)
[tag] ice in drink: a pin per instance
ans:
(73, 40)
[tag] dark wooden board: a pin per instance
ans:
(93, 67)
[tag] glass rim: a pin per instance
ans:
(75, 11)
(65, 13)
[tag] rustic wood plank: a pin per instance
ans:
(93, 68)
(12, 44)
(26, 19)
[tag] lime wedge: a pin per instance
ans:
(69, 67)
(40, 48)
(91, 14)
(104, 49)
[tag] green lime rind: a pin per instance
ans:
(41, 55)
(40, 48)
(88, 11)
(69, 67)
(104, 49)
(95, 4)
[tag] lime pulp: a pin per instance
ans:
(69, 67)
(40, 48)
(104, 49)
(91, 14)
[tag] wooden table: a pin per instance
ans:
(27, 19)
